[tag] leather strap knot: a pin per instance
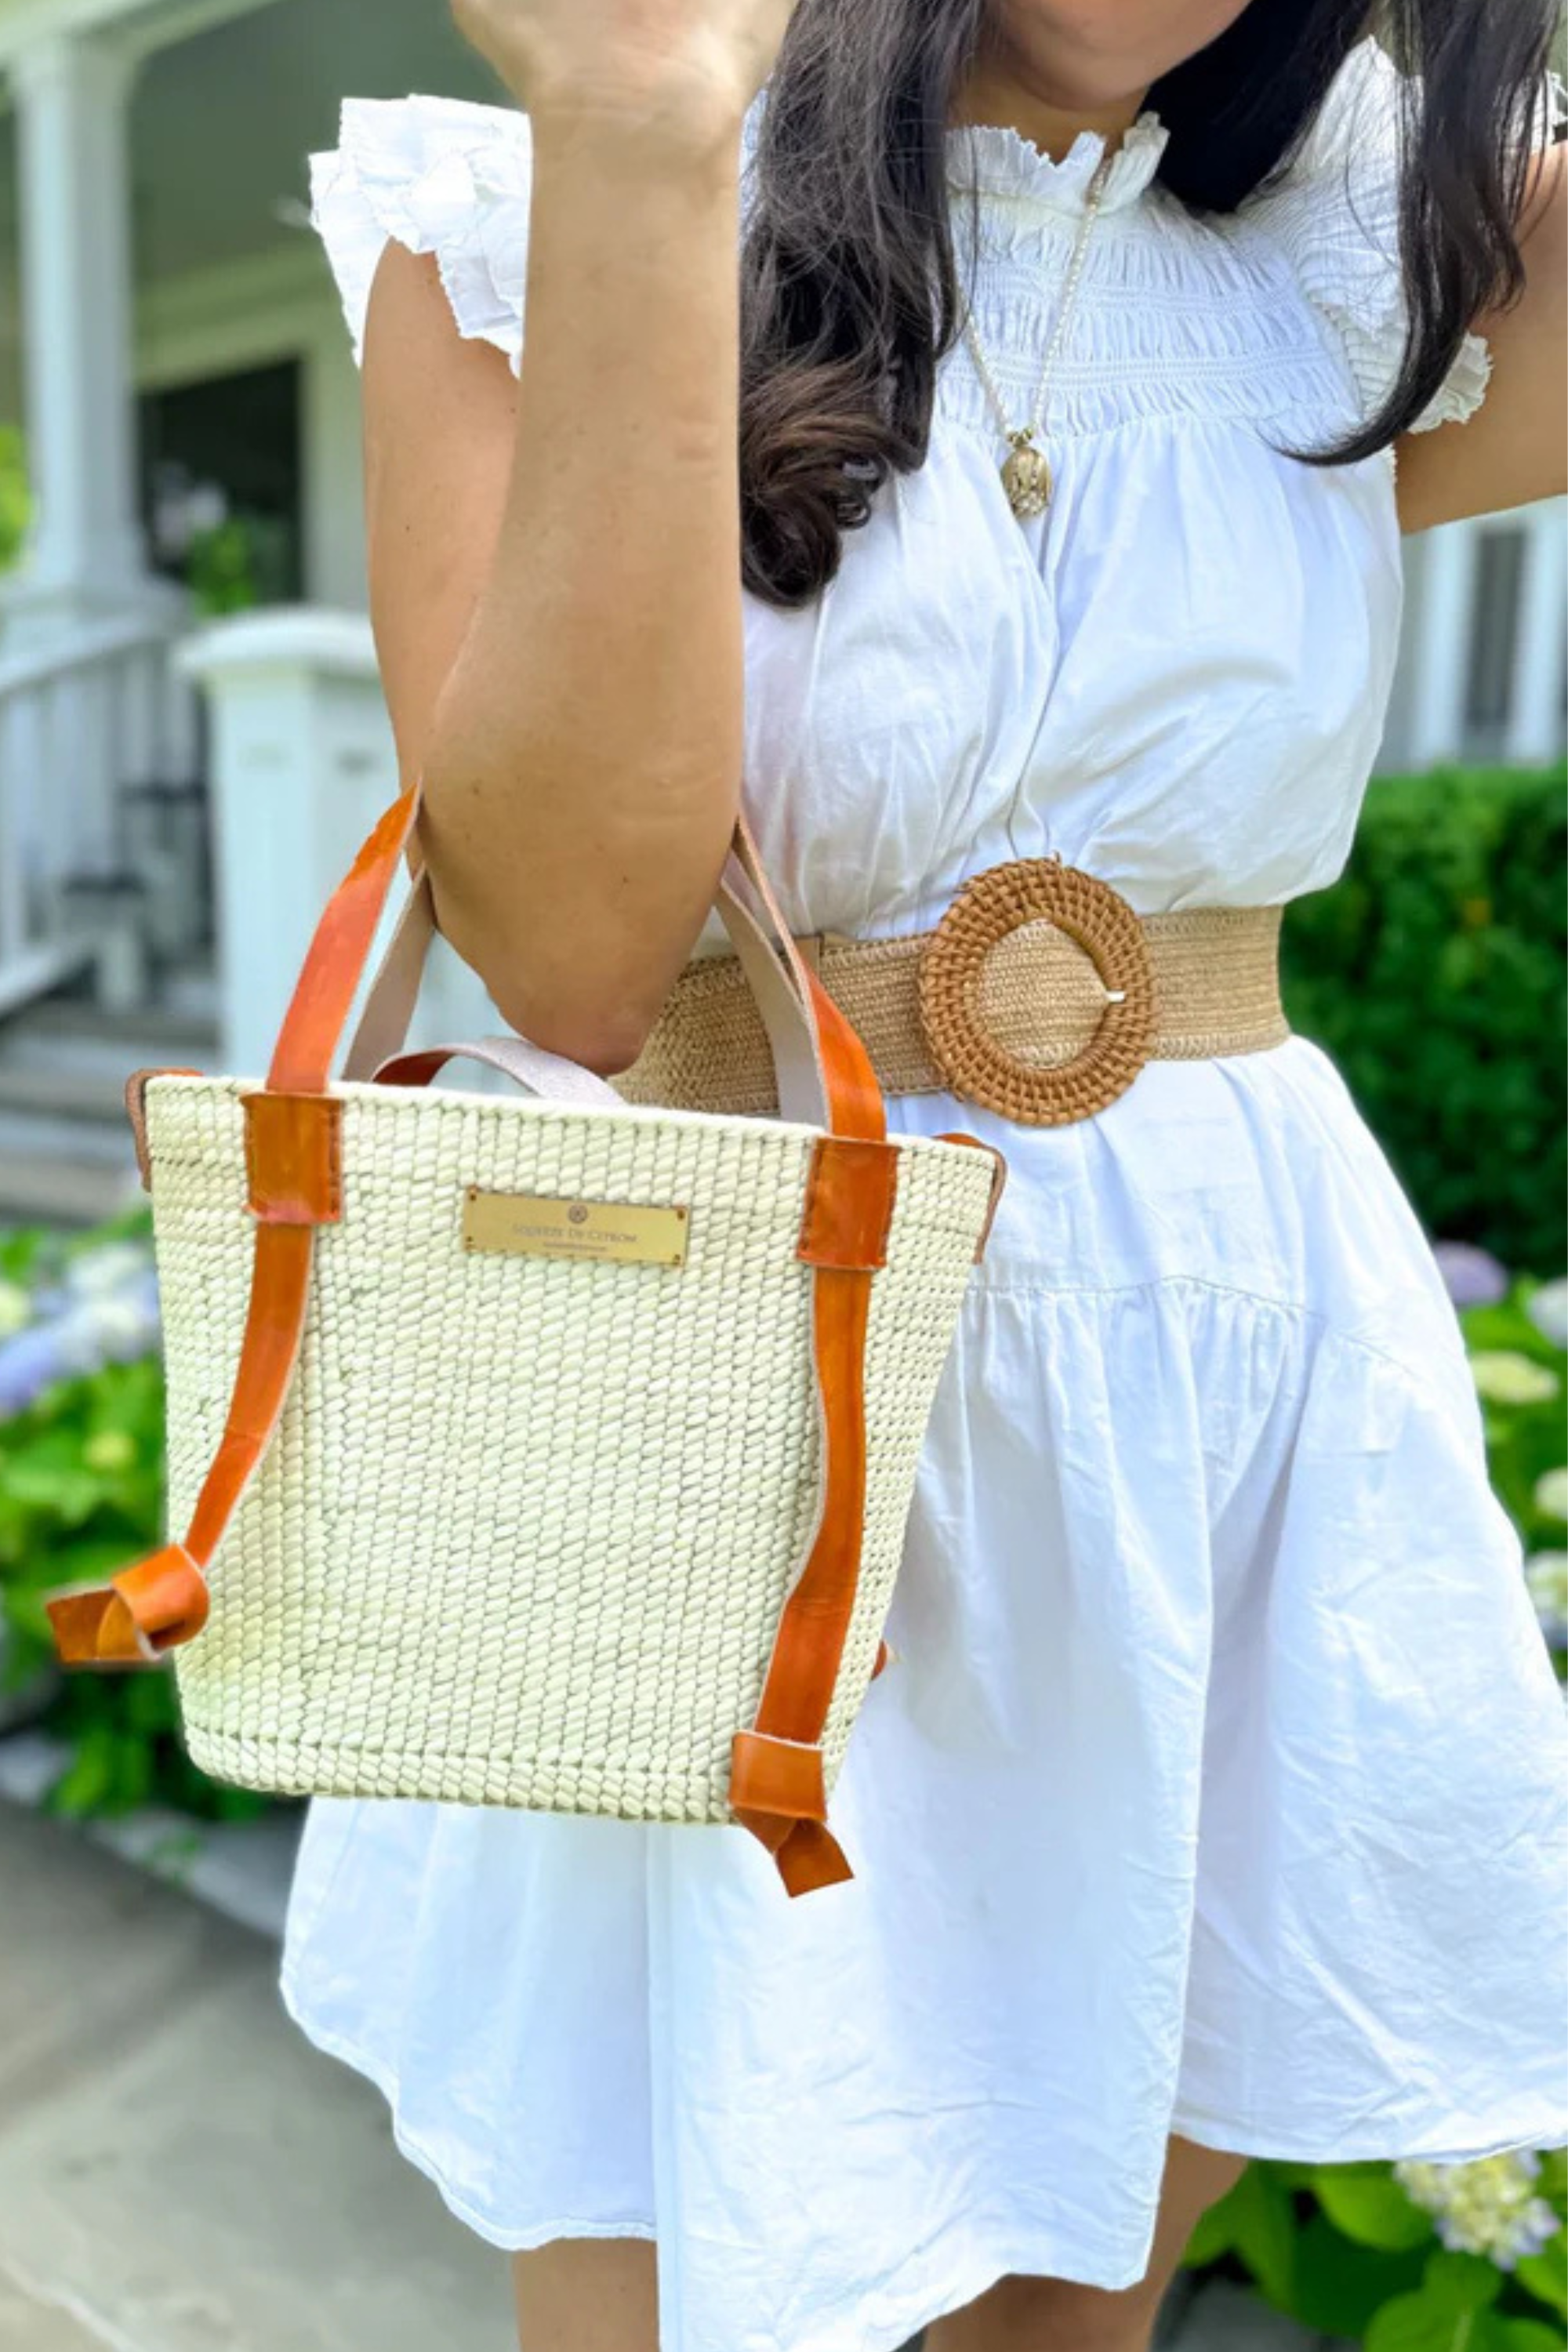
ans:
(776, 1791)
(137, 1617)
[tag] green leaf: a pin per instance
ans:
(1464, 2281)
(238, 1804)
(1369, 2205)
(1425, 2323)
(1431, 973)
(1213, 2236)
(152, 1711)
(1340, 2286)
(1263, 2232)
(20, 1252)
(1529, 2335)
(86, 1560)
(48, 1471)
(14, 1520)
(87, 1785)
(133, 1772)
(27, 1654)
(1293, 2176)
(1545, 2274)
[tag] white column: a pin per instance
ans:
(303, 763)
(1440, 653)
(334, 472)
(1535, 724)
(85, 557)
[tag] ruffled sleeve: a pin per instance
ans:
(1336, 211)
(441, 175)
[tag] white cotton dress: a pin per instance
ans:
(1217, 1787)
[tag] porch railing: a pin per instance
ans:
(86, 726)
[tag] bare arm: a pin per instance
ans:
(555, 578)
(1515, 447)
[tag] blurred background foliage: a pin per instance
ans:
(1433, 973)
(15, 498)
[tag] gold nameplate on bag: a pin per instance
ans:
(605, 1233)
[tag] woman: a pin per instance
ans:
(1211, 1806)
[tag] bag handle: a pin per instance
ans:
(549, 1076)
(394, 992)
(293, 1161)
(816, 1055)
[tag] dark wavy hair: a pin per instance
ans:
(849, 286)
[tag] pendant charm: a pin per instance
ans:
(1027, 478)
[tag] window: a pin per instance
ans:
(221, 484)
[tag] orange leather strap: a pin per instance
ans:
(293, 1168)
(294, 1184)
(776, 1775)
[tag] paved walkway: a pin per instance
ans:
(181, 2172)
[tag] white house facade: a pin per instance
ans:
(174, 798)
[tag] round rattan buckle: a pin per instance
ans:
(986, 910)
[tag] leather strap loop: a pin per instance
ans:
(293, 1158)
(849, 1198)
(778, 1776)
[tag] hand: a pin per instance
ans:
(671, 59)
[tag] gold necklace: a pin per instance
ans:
(1026, 476)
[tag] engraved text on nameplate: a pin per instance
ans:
(602, 1232)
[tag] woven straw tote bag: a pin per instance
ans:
(547, 1450)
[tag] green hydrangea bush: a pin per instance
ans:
(81, 1494)
(1433, 972)
(1404, 2258)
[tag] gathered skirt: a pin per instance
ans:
(1216, 1788)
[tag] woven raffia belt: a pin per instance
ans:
(1040, 994)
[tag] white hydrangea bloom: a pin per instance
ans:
(1504, 1377)
(1546, 1574)
(1548, 1310)
(99, 1272)
(1488, 2207)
